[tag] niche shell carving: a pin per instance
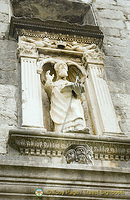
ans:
(79, 154)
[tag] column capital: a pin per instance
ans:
(26, 49)
(93, 56)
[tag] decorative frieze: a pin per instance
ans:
(56, 145)
(55, 30)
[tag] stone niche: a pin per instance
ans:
(40, 49)
(79, 48)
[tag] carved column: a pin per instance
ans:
(32, 112)
(101, 106)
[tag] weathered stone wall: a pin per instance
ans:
(113, 17)
(8, 76)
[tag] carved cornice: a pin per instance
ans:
(55, 30)
(54, 145)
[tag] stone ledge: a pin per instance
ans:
(50, 144)
(21, 161)
(75, 30)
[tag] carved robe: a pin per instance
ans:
(60, 108)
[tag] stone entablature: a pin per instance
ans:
(40, 28)
(52, 144)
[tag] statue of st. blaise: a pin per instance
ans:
(66, 109)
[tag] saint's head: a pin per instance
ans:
(61, 69)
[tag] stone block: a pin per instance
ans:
(8, 105)
(4, 28)
(117, 87)
(115, 41)
(116, 51)
(116, 74)
(4, 7)
(82, 1)
(8, 62)
(125, 9)
(103, 5)
(123, 3)
(4, 1)
(128, 25)
(8, 112)
(8, 77)
(115, 62)
(3, 146)
(122, 107)
(122, 100)
(4, 133)
(124, 33)
(6, 120)
(8, 46)
(125, 126)
(111, 14)
(106, 2)
(127, 62)
(7, 90)
(4, 18)
(112, 23)
(111, 32)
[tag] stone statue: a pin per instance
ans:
(66, 109)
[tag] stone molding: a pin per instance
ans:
(36, 27)
(51, 144)
(61, 182)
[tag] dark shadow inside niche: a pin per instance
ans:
(56, 10)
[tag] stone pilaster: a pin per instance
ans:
(101, 106)
(32, 112)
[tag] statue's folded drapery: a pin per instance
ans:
(61, 107)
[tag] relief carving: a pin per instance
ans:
(26, 48)
(28, 45)
(79, 154)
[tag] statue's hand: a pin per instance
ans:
(78, 88)
(48, 76)
(67, 88)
